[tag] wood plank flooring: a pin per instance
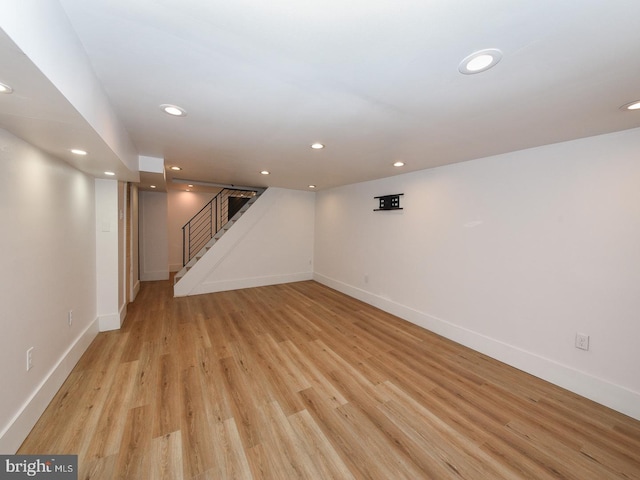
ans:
(298, 381)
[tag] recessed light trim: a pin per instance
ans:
(110, 174)
(317, 146)
(173, 110)
(77, 151)
(480, 61)
(632, 107)
(312, 186)
(398, 164)
(265, 172)
(4, 88)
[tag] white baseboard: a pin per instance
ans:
(212, 287)
(19, 427)
(154, 276)
(136, 290)
(112, 321)
(123, 313)
(109, 322)
(599, 390)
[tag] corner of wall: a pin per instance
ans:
(19, 427)
(109, 322)
(153, 276)
(136, 290)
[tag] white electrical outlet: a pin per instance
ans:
(582, 341)
(70, 317)
(29, 359)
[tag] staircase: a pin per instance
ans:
(207, 226)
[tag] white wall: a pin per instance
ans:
(271, 243)
(134, 239)
(47, 251)
(511, 255)
(181, 207)
(109, 271)
(122, 249)
(154, 244)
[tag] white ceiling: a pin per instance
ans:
(374, 80)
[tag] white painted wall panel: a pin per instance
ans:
(154, 244)
(48, 257)
(108, 262)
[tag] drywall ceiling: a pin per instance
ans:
(37, 112)
(375, 81)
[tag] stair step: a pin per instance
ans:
(178, 276)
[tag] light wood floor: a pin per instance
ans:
(298, 381)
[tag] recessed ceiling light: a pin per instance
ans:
(111, 174)
(635, 105)
(398, 164)
(4, 88)
(77, 151)
(190, 186)
(173, 110)
(480, 61)
(317, 146)
(152, 186)
(264, 172)
(175, 168)
(312, 186)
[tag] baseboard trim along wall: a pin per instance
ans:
(154, 275)
(136, 290)
(213, 287)
(613, 396)
(19, 427)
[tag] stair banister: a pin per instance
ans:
(209, 220)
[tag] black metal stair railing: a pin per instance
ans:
(212, 218)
